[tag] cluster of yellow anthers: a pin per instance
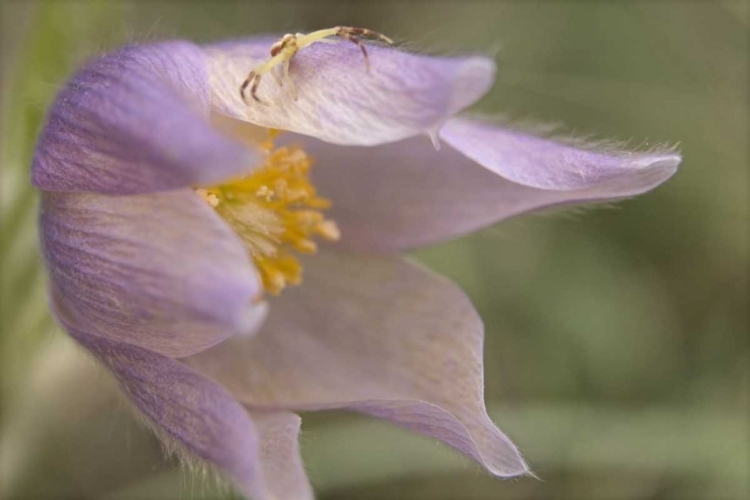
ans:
(276, 211)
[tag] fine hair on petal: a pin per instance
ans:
(562, 134)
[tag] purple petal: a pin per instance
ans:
(158, 271)
(280, 458)
(376, 335)
(535, 162)
(406, 194)
(338, 100)
(181, 404)
(136, 121)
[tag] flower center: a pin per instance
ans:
(276, 212)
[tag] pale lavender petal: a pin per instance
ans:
(158, 271)
(280, 458)
(377, 335)
(338, 100)
(181, 404)
(136, 121)
(407, 194)
(535, 162)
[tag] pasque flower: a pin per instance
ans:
(233, 263)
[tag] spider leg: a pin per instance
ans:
(254, 88)
(276, 77)
(348, 36)
(316, 36)
(355, 35)
(288, 79)
(364, 33)
(254, 79)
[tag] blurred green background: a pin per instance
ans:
(617, 339)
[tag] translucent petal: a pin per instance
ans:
(136, 121)
(280, 457)
(182, 405)
(159, 271)
(402, 195)
(339, 101)
(376, 335)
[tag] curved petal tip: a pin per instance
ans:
(542, 163)
(136, 121)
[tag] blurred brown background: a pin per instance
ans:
(617, 339)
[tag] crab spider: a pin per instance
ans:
(287, 47)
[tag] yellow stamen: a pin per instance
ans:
(276, 211)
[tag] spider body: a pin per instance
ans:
(287, 47)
